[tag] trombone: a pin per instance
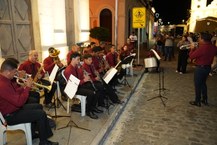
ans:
(37, 85)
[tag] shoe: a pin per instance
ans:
(97, 110)
(47, 142)
(195, 103)
(64, 98)
(35, 135)
(177, 71)
(76, 108)
(118, 102)
(204, 102)
(92, 115)
(49, 105)
(180, 73)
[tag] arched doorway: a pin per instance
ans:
(106, 21)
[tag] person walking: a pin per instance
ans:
(203, 56)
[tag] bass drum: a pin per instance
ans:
(150, 62)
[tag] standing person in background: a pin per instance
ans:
(203, 56)
(168, 47)
(182, 55)
(133, 39)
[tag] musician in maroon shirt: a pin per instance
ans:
(112, 57)
(33, 67)
(74, 48)
(102, 88)
(13, 104)
(203, 56)
(85, 87)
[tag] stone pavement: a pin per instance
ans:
(178, 123)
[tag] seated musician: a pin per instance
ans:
(49, 63)
(85, 87)
(101, 87)
(74, 48)
(14, 108)
(34, 68)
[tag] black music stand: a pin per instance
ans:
(57, 102)
(125, 61)
(161, 72)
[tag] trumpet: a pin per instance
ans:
(188, 46)
(36, 85)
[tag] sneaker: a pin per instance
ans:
(180, 73)
(177, 71)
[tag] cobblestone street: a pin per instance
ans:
(178, 123)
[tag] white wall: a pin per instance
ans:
(52, 26)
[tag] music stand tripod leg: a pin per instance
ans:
(71, 123)
(159, 90)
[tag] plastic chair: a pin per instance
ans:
(25, 127)
(80, 97)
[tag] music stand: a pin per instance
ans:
(70, 90)
(160, 88)
(126, 61)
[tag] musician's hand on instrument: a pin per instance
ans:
(59, 64)
(192, 46)
(21, 73)
(97, 78)
(39, 76)
(86, 78)
(29, 82)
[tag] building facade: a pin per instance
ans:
(39, 24)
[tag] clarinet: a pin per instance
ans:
(87, 74)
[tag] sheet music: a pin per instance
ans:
(53, 74)
(71, 86)
(109, 75)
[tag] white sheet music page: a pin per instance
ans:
(53, 74)
(71, 86)
(109, 75)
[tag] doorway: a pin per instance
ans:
(106, 21)
(16, 38)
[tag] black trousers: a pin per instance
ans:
(34, 97)
(182, 61)
(200, 76)
(86, 89)
(49, 94)
(32, 113)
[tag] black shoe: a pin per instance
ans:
(92, 115)
(47, 142)
(64, 98)
(49, 105)
(118, 102)
(35, 135)
(195, 103)
(76, 108)
(204, 102)
(97, 110)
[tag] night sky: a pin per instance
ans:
(173, 11)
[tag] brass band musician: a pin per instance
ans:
(14, 108)
(33, 67)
